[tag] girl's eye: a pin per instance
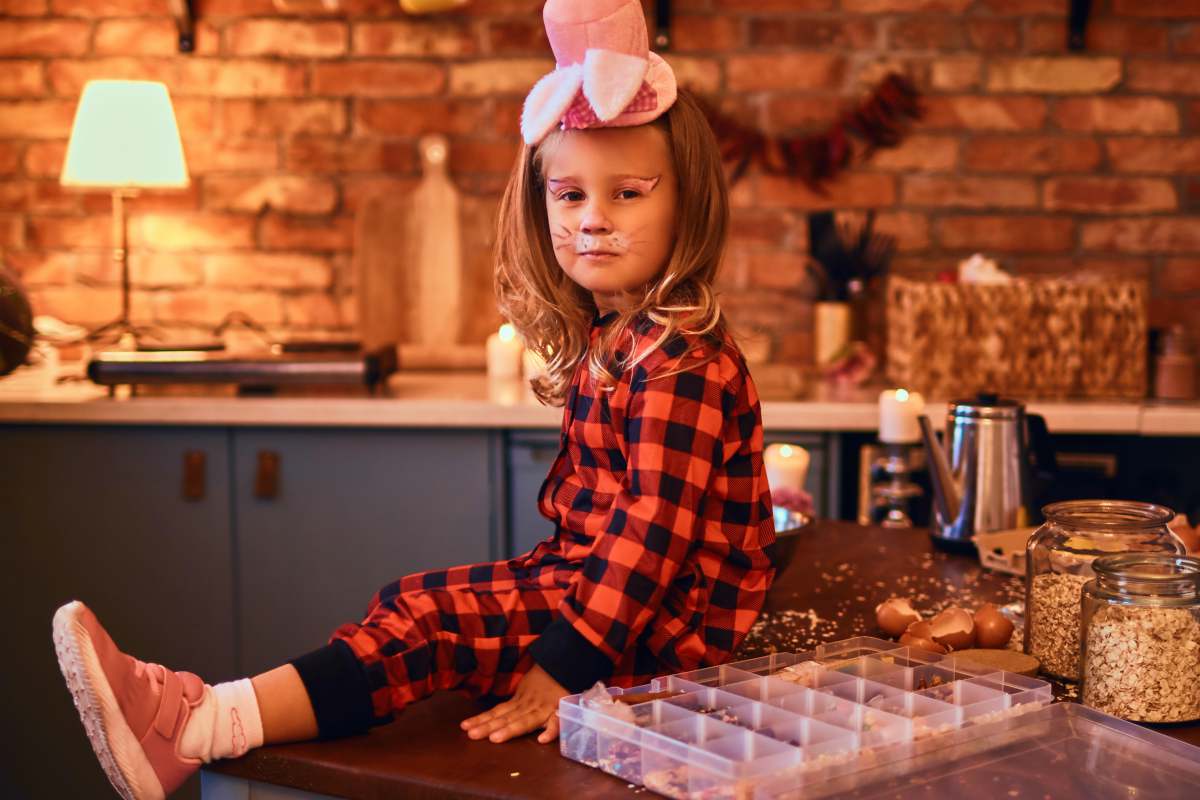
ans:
(571, 196)
(629, 194)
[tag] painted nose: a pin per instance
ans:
(595, 221)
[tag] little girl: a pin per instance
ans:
(611, 231)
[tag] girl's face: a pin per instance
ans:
(611, 196)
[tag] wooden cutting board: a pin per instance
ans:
(422, 262)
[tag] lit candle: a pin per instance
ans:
(787, 466)
(504, 351)
(898, 412)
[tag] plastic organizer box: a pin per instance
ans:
(816, 723)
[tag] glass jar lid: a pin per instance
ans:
(1149, 575)
(1108, 516)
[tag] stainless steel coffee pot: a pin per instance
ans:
(981, 474)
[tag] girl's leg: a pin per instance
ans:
(287, 713)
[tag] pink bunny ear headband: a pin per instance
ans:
(605, 76)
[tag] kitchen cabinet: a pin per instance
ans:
(324, 518)
(135, 522)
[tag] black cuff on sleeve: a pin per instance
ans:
(569, 658)
(338, 689)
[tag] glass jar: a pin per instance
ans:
(1058, 562)
(1141, 637)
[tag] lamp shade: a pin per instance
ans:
(125, 135)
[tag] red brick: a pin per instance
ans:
(1120, 114)
(498, 76)
(921, 153)
(1161, 9)
(67, 77)
(1156, 155)
(143, 37)
(786, 71)
(10, 157)
(267, 270)
(776, 269)
(429, 37)
(967, 192)
(314, 310)
(994, 34)
(1102, 36)
(36, 119)
(228, 154)
(475, 155)
(12, 231)
(1023, 7)
(691, 32)
(22, 79)
(311, 234)
(241, 78)
(1006, 234)
(240, 8)
(516, 37)
(1121, 268)
(313, 154)
(418, 117)
(24, 8)
(955, 73)
(78, 305)
(107, 8)
(51, 37)
(45, 159)
(292, 38)
(282, 117)
(146, 270)
(910, 229)
(377, 79)
(1180, 276)
(786, 112)
(702, 75)
(56, 232)
(209, 307)
(812, 32)
(850, 190)
(194, 116)
(291, 193)
(172, 200)
(1173, 77)
(357, 189)
(1054, 75)
(192, 231)
(885, 6)
(984, 113)
(1193, 115)
(1187, 40)
(38, 196)
(753, 226)
(1191, 194)
(54, 268)
(1032, 154)
(1109, 195)
(1144, 235)
(925, 33)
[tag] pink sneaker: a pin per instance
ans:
(134, 713)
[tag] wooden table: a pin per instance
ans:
(834, 576)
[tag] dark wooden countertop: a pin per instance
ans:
(835, 574)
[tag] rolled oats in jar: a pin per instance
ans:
(1141, 638)
(1059, 559)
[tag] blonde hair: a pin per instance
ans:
(553, 313)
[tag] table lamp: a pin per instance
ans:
(124, 139)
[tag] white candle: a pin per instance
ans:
(898, 412)
(532, 365)
(787, 466)
(504, 351)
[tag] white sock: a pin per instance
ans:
(225, 724)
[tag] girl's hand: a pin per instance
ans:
(534, 705)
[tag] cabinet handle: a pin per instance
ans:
(266, 481)
(193, 475)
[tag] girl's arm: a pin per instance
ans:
(676, 428)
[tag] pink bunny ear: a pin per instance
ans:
(611, 80)
(548, 101)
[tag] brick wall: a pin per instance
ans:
(1048, 160)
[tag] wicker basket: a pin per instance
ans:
(1029, 338)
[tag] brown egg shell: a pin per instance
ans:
(895, 615)
(922, 643)
(954, 629)
(992, 629)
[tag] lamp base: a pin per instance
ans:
(116, 330)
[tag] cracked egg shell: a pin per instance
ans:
(992, 629)
(895, 615)
(922, 643)
(953, 629)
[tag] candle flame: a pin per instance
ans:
(785, 450)
(507, 332)
(902, 395)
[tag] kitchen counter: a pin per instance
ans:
(835, 574)
(470, 400)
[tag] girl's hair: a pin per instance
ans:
(554, 313)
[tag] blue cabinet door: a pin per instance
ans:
(530, 454)
(324, 518)
(101, 514)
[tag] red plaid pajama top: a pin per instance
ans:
(662, 513)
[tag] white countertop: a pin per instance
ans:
(470, 400)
